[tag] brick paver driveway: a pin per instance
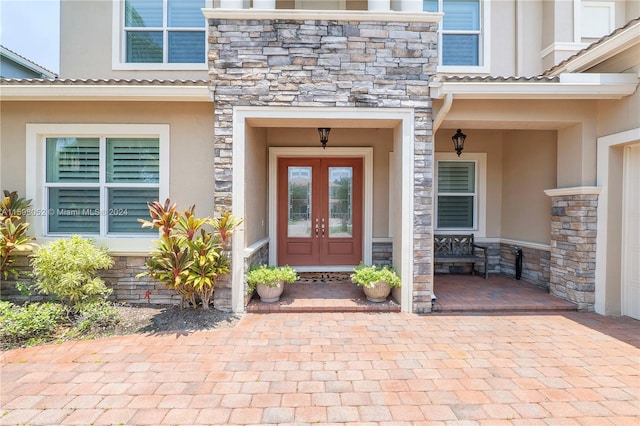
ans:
(389, 368)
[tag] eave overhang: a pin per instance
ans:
(598, 52)
(565, 86)
(104, 90)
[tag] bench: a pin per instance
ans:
(460, 249)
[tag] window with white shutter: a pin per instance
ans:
(460, 193)
(100, 185)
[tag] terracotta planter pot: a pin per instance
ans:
(270, 294)
(378, 293)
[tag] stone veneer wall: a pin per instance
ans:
(258, 257)
(535, 264)
(573, 248)
(382, 253)
(328, 63)
(121, 278)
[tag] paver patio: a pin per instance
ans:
(370, 368)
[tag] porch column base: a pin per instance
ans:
(573, 245)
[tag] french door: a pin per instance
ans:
(319, 211)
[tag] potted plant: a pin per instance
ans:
(376, 281)
(269, 281)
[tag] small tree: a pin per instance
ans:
(13, 231)
(66, 268)
(187, 257)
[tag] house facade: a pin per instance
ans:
(218, 104)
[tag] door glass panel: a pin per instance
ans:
(340, 202)
(299, 202)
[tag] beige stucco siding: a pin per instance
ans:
(191, 136)
(256, 184)
(489, 142)
(86, 33)
(529, 167)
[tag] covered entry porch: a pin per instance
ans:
(333, 292)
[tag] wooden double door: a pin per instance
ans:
(319, 211)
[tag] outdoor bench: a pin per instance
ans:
(460, 249)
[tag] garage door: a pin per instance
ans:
(631, 233)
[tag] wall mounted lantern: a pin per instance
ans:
(324, 135)
(458, 141)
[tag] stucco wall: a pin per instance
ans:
(86, 29)
(191, 162)
(256, 185)
(489, 142)
(521, 164)
(529, 167)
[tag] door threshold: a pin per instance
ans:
(324, 268)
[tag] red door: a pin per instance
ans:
(319, 211)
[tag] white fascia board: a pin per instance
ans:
(27, 63)
(592, 86)
(324, 15)
(30, 92)
(608, 48)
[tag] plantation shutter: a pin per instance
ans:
(131, 161)
(456, 194)
(126, 206)
(74, 210)
(186, 46)
(73, 160)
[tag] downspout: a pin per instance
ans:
(437, 121)
(444, 110)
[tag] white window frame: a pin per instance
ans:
(480, 199)
(484, 41)
(36, 185)
(119, 43)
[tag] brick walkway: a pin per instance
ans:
(378, 368)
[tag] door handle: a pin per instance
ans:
(317, 227)
(323, 228)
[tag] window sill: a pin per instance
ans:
(452, 69)
(120, 245)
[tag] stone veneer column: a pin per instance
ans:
(327, 63)
(573, 244)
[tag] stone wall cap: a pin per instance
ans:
(576, 190)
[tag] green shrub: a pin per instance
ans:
(29, 323)
(95, 316)
(66, 268)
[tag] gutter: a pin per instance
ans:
(569, 86)
(444, 110)
(60, 92)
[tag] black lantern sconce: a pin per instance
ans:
(324, 135)
(458, 141)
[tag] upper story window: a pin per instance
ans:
(164, 31)
(160, 34)
(462, 35)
